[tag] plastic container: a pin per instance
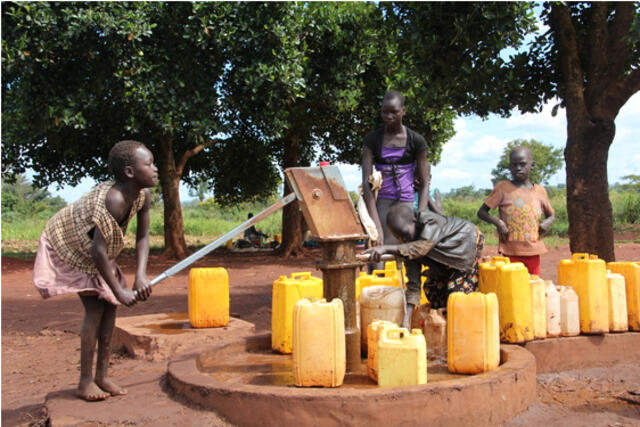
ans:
(488, 274)
(473, 332)
(373, 334)
(376, 278)
(402, 357)
(379, 303)
(618, 319)
(286, 292)
(569, 312)
(514, 301)
(553, 309)
(319, 355)
(208, 297)
(435, 333)
(631, 273)
(538, 307)
(587, 275)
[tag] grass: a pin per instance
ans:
(206, 221)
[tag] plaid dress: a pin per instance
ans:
(63, 262)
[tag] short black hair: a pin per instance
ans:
(394, 94)
(399, 215)
(121, 155)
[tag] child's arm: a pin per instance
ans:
(483, 214)
(142, 284)
(423, 174)
(544, 225)
(101, 260)
(411, 250)
(367, 194)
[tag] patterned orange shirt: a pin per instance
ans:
(521, 209)
(70, 230)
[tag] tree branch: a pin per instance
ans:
(570, 66)
(620, 90)
(619, 46)
(180, 164)
(597, 62)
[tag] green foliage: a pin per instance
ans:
(626, 207)
(633, 183)
(208, 219)
(466, 192)
(21, 199)
(454, 50)
(548, 161)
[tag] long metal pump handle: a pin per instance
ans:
(365, 257)
(221, 240)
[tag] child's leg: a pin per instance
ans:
(93, 310)
(104, 351)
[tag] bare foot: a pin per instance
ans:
(110, 387)
(91, 392)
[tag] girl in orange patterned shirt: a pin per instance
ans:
(521, 206)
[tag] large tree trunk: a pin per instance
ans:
(588, 205)
(595, 85)
(175, 245)
(291, 214)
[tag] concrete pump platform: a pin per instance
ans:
(248, 384)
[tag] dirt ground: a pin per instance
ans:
(40, 343)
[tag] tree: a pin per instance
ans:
(589, 58)
(310, 84)
(632, 184)
(20, 198)
(78, 77)
(548, 161)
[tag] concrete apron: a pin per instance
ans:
(485, 399)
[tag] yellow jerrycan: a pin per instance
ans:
(379, 303)
(319, 354)
(538, 307)
(589, 277)
(373, 334)
(286, 291)
(376, 278)
(488, 274)
(208, 297)
(569, 312)
(553, 309)
(618, 319)
(473, 333)
(631, 273)
(514, 301)
(402, 357)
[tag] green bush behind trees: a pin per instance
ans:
(25, 211)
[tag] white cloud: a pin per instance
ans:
(543, 120)
(488, 146)
(454, 174)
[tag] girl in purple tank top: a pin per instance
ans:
(400, 155)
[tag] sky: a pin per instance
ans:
(467, 159)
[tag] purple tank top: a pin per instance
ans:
(397, 180)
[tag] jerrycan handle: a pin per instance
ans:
(400, 332)
(383, 273)
(497, 259)
(580, 255)
(301, 275)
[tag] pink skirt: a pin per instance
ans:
(52, 276)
